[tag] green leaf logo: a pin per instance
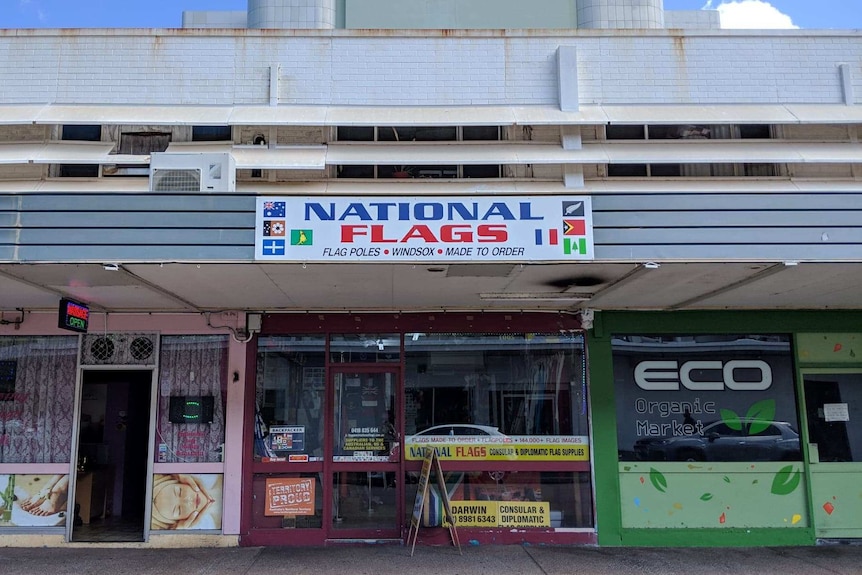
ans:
(706, 497)
(726, 479)
(786, 480)
(731, 419)
(763, 412)
(657, 479)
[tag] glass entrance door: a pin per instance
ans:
(833, 405)
(365, 467)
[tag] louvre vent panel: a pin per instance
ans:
(119, 349)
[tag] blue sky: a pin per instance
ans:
(810, 14)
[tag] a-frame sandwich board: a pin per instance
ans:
(430, 462)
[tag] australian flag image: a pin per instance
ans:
(273, 209)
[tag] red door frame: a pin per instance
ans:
(394, 322)
(334, 467)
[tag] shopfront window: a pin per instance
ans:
(289, 398)
(365, 348)
(364, 499)
(705, 398)
(37, 391)
(500, 499)
(507, 414)
(365, 427)
(834, 402)
(192, 398)
(495, 385)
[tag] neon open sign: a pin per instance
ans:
(73, 316)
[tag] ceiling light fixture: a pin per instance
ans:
(542, 296)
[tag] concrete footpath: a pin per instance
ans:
(396, 560)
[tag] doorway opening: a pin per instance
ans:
(112, 457)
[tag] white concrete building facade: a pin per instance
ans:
(309, 247)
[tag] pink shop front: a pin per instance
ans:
(118, 434)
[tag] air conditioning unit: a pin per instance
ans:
(172, 172)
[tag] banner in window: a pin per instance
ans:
(499, 448)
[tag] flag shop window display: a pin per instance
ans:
(289, 398)
(507, 414)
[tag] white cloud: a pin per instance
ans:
(755, 14)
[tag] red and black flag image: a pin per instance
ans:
(574, 227)
(273, 227)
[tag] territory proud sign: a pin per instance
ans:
(410, 229)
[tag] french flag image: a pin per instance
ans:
(549, 237)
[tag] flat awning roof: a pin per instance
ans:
(730, 151)
(135, 115)
(430, 187)
(409, 153)
(261, 157)
(334, 115)
(65, 153)
(645, 152)
(317, 157)
(14, 114)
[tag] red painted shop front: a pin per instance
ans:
(341, 408)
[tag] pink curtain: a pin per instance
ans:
(37, 391)
(193, 365)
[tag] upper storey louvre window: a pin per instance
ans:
(138, 144)
(83, 133)
(211, 134)
(143, 143)
(689, 132)
(392, 134)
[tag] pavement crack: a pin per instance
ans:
(530, 555)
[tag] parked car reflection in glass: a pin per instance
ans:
(460, 429)
(773, 441)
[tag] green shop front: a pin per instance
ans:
(727, 428)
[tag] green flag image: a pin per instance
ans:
(301, 237)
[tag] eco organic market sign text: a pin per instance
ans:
(398, 229)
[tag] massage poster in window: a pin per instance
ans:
(187, 501)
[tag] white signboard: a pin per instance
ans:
(432, 229)
(836, 412)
